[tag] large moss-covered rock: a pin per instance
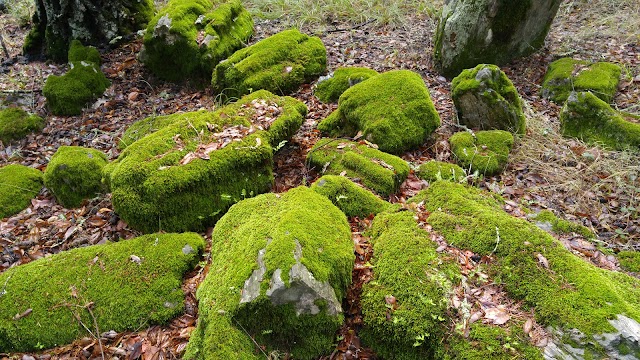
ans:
(189, 38)
(16, 123)
(586, 117)
(186, 175)
(121, 286)
(486, 99)
(486, 152)
(352, 199)
(279, 63)
(18, 185)
(74, 174)
(379, 171)
(438, 170)
(144, 127)
(330, 87)
(69, 93)
(567, 75)
(280, 267)
(392, 110)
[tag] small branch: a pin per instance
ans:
(25, 91)
(351, 28)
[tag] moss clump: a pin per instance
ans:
(18, 185)
(349, 197)
(154, 187)
(123, 292)
(492, 342)
(69, 93)
(78, 52)
(567, 75)
(279, 63)
(630, 260)
(16, 123)
(187, 39)
(144, 127)
(331, 87)
(262, 239)
(438, 170)
(74, 173)
(380, 172)
(393, 110)
(486, 152)
(561, 226)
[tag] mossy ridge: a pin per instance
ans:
(330, 88)
(437, 170)
(274, 223)
(629, 260)
(16, 123)
(279, 63)
(379, 171)
(349, 197)
(18, 185)
(125, 294)
(69, 93)
(561, 226)
(393, 110)
(486, 152)
(79, 52)
(567, 75)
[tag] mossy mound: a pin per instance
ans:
(560, 226)
(352, 199)
(69, 93)
(122, 286)
(74, 174)
(486, 152)
(187, 39)
(586, 117)
(16, 123)
(18, 185)
(492, 342)
(279, 63)
(486, 99)
(188, 173)
(144, 127)
(393, 110)
(438, 170)
(330, 87)
(567, 75)
(379, 171)
(79, 52)
(629, 260)
(280, 267)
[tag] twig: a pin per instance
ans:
(95, 324)
(4, 288)
(24, 91)
(252, 339)
(351, 28)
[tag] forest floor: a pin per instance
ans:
(545, 171)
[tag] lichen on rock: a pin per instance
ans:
(16, 123)
(18, 185)
(437, 170)
(330, 87)
(352, 199)
(486, 152)
(567, 75)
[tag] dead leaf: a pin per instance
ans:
(498, 315)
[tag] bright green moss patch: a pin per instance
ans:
(393, 110)
(561, 226)
(279, 63)
(380, 172)
(78, 52)
(144, 127)
(486, 152)
(349, 197)
(331, 87)
(567, 75)
(630, 260)
(69, 93)
(74, 173)
(438, 170)
(492, 342)
(16, 123)
(259, 249)
(18, 185)
(129, 285)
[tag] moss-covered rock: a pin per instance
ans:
(486, 99)
(280, 267)
(486, 152)
(393, 110)
(18, 185)
(438, 170)
(279, 63)
(123, 286)
(187, 39)
(69, 93)
(144, 127)
(379, 171)
(16, 123)
(188, 173)
(352, 199)
(586, 117)
(79, 52)
(330, 87)
(547, 219)
(629, 260)
(567, 75)
(74, 174)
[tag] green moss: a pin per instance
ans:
(629, 260)
(349, 197)
(69, 93)
(393, 110)
(566, 75)
(122, 294)
(438, 170)
(279, 63)
(329, 89)
(144, 127)
(74, 174)
(486, 152)
(492, 342)
(16, 123)
(78, 52)
(380, 172)
(275, 225)
(561, 226)
(18, 185)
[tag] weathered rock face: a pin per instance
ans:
(567, 75)
(18, 185)
(473, 32)
(16, 123)
(486, 152)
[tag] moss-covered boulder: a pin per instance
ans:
(187, 39)
(186, 175)
(74, 174)
(280, 267)
(144, 127)
(567, 75)
(18, 185)
(69, 93)
(121, 286)
(392, 110)
(586, 117)
(279, 63)
(438, 170)
(79, 52)
(16, 123)
(330, 87)
(379, 171)
(547, 220)
(486, 99)
(486, 152)
(352, 199)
